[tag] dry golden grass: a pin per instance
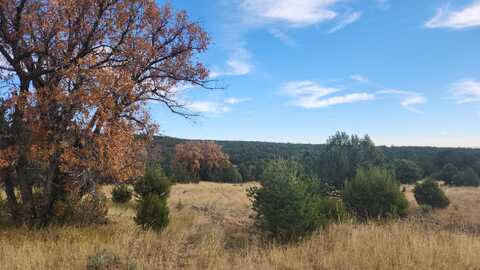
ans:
(210, 228)
(463, 214)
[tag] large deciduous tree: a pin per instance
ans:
(77, 76)
(200, 159)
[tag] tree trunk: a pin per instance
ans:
(26, 191)
(20, 132)
(11, 198)
(53, 189)
(46, 211)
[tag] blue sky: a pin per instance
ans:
(405, 72)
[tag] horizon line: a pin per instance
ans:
(313, 144)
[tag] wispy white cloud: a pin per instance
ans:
(359, 78)
(347, 19)
(293, 12)
(208, 108)
(182, 88)
(310, 95)
(467, 17)
(466, 91)
(307, 88)
(282, 36)
(311, 102)
(234, 100)
(410, 102)
(410, 99)
(281, 17)
(237, 65)
(214, 108)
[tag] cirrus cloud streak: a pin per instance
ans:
(293, 12)
(466, 91)
(310, 95)
(457, 19)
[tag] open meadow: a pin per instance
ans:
(211, 228)
(239, 134)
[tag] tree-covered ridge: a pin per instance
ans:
(246, 155)
(240, 151)
(250, 156)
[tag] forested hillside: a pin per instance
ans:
(251, 155)
(240, 152)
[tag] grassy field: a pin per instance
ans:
(211, 228)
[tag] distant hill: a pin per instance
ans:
(251, 152)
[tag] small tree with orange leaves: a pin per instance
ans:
(200, 159)
(77, 76)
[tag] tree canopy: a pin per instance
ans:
(407, 171)
(343, 155)
(76, 79)
(252, 157)
(201, 159)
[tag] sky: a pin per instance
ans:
(405, 72)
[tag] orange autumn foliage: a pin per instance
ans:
(197, 156)
(78, 76)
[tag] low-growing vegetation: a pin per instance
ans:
(288, 206)
(466, 177)
(213, 231)
(430, 194)
(153, 190)
(105, 260)
(374, 193)
(121, 194)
